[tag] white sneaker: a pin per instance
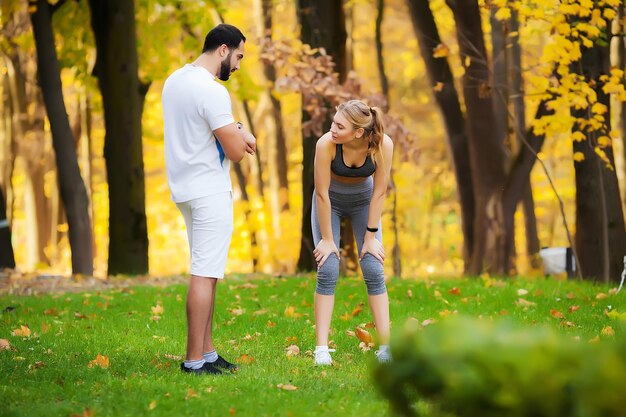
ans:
(383, 355)
(322, 357)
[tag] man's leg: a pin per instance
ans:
(208, 333)
(200, 300)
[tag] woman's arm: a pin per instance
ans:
(381, 181)
(324, 153)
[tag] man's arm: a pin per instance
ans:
(232, 141)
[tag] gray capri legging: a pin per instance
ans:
(348, 201)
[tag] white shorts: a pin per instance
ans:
(209, 222)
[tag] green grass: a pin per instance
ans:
(47, 374)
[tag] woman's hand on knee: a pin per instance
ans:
(374, 247)
(323, 250)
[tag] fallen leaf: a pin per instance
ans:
(191, 393)
(607, 331)
(290, 311)
(350, 333)
(23, 331)
(152, 405)
(245, 359)
(521, 302)
(237, 311)
(613, 291)
(365, 346)
(157, 310)
(601, 296)
(363, 335)
(437, 88)
(287, 387)
(357, 310)
(345, 317)
(595, 340)
(570, 295)
(51, 312)
(522, 292)
(573, 308)
(173, 357)
(369, 325)
(428, 322)
(292, 350)
(101, 361)
(454, 291)
(4, 344)
(232, 411)
(270, 323)
(79, 315)
(260, 312)
(409, 294)
(556, 314)
(291, 339)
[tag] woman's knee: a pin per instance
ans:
(327, 276)
(373, 275)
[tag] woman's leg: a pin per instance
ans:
(373, 274)
(327, 277)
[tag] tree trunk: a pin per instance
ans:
(618, 45)
(7, 259)
(600, 234)
(113, 23)
(486, 150)
(519, 127)
(322, 25)
(441, 78)
(71, 184)
(277, 141)
(380, 61)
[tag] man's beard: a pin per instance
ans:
(225, 69)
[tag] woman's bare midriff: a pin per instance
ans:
(347, 180)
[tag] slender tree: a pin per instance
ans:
(447, 98)
(7, 259)
(600, 233)
(322, 25)
(113, 23)
(72, 187)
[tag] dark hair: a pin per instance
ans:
(222, 34)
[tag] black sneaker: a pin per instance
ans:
(224, 364)
(207, 368)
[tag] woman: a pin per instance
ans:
(352, 169)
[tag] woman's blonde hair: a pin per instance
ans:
(370, 119)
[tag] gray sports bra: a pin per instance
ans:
(339, 167)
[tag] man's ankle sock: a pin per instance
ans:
(210, 357)
(321, 348)
(197, 364)
(383, 348)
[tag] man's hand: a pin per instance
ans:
(250, 141)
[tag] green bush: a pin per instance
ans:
(469, 367)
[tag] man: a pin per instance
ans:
(201, 138)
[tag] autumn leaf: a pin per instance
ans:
(350, 333)
(363, 335)
(287, 387)
(438, 87)
(101, 361)
(173, 357)
(51, 312)
(556, 314)
(521, 292)
(409, 294)
(237, 311)
(152, 405)
(23, 331)
(607, 331)
(271, 323)
(86, 413)
(157, 310)
(441, 51)
(357, 310)
(191, 393)
(365, 346)
(4, 345)
(455, 291)
(521, 302)
(573, 309)
(292, 350)
(345, 317)
(290, 311)
(601, 296)
(428, 322)
(595, 340)
(579, 156)
(244, 358)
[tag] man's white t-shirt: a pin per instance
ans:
(195, 105)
